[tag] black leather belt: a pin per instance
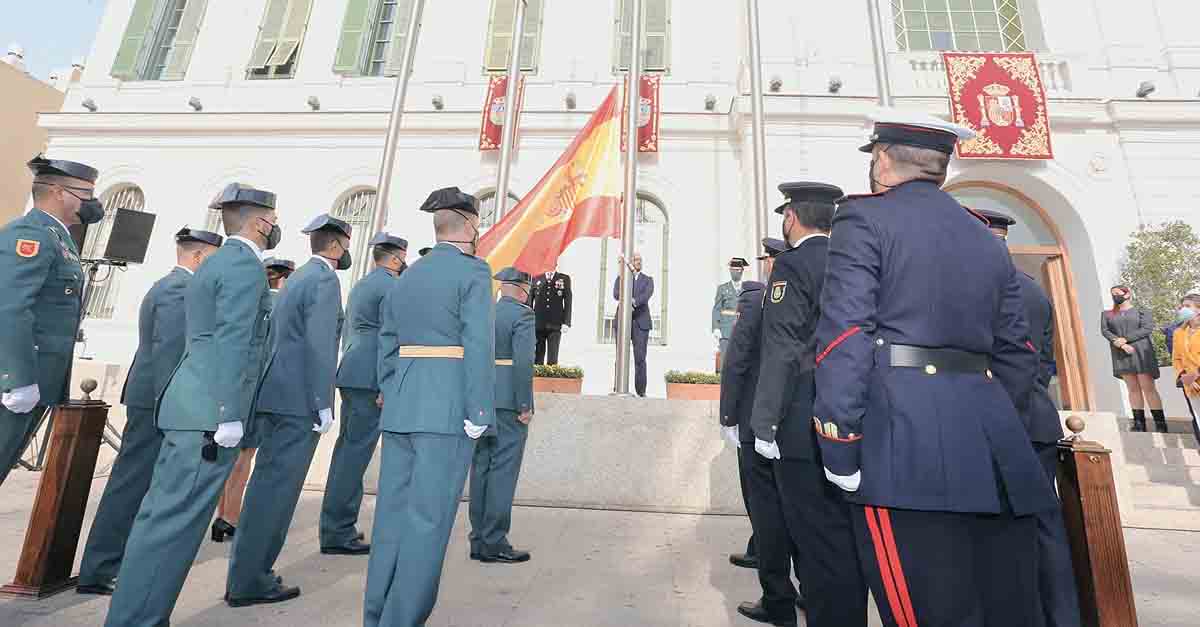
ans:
(934, 360)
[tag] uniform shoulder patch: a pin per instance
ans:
(778, 291)
(28, 248)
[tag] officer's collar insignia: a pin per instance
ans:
(28, 248)
(778, 290)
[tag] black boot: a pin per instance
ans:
(1160, 420)
(221, 529)
(1139, 421)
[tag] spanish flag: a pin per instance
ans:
(579, 197)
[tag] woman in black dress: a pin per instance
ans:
(1128, 329)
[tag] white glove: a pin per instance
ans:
(849, 484)
(22, 400)
(770, 450)
(565, 328)
(731, 434)
(473, 430)
(229, 434)
(326, 416)
(717, 335)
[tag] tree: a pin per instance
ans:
(1161, 265)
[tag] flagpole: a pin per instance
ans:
(758, 131)
(383, 187)
(883, 82)
(509, 136)
(632, 100)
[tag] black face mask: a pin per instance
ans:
(90, 211)
(403, 267)
(274, 237)
(345, 261)
(1119, 299)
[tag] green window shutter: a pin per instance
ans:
(268, 33)
(137, 35)
(500, 35)
(356, 32)
(624, 26)
(531, 37)
(185, 40)
(404, 17)
(292, 33)
(656, 47)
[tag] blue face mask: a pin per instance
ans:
(1185, 315)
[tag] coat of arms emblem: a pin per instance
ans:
(645, 110)
(999, 106)
(496, 111)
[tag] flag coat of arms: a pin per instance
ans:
(649, 113)
(491, 128)
(1001, 97)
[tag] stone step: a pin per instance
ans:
(1174, 425)
(1164, 475)
(1154, 456)
(1166, 496)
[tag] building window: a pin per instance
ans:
(279, 39)
(968, 25)
(102, 295)
(212, 221)
(373, 37)
(656, 35)
(357, 208)
(500, 36)
(158, 41)
(652, 233)
(488, 215)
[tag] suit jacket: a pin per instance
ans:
(643, 290)
(791, 307)
(360, 357)
(552, 300)
(42, 281)
(1041, 420)
(306, 325)
(445, 300)
(228, 311)
(739, 374)
(724, 303)
(911, 266)
(162, 323)
(515, 340)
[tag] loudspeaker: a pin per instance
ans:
(130, 236)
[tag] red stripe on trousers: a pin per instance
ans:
(834, 344)
(885, 571)
(889, 542)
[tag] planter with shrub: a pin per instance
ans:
(693, 386)
(558, 379)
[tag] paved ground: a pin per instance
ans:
(590, 569)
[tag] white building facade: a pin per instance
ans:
(293, 96)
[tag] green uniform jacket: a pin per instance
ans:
(41, 282)
(725, 301)
(515, 341)
(162, 321)
(228, 317)
(360, 359)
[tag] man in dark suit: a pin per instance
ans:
(643, 290)
(818, 517)
(1056, 577)
(161, 338)
(552, 307)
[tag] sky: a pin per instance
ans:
(53, 32)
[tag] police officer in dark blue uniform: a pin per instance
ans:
(1056, 577)
(924, 363)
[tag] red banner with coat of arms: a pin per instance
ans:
(1001, 97)
(648, 116)
(491, 130)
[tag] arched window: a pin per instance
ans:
(357, 207)
(968, 25)
(102, 295)
(652, 239)
(488, 215)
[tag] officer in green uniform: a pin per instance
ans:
(41, 280)
(724, 311)
(161, 326)
(498, 454)
(437, 374)
(296, 402)
(359, 384)
(202, 412)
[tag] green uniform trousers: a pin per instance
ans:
(127, 485)
(421, 480)
(168, 530)
(358, 435)
(285, 451)
(494, 472)
(15, 432)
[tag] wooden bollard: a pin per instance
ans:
(1093, 520)
(48, 555)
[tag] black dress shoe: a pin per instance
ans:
(507, 556)
(221, 530)
(278, 595)
(104, 589)
(476, 555)
(353, 547)
(755, 612)
(742, 560)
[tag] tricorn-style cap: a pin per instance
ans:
(809, 192)
(195, 235)
(326, 222)
(424, 251)
(279, 264)
(916, 129)
(451, 198)
(995, 219)
(384, 238)
(40, 165)
(243, 194)
(512, 275)
(738, 262)
(773, 247)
